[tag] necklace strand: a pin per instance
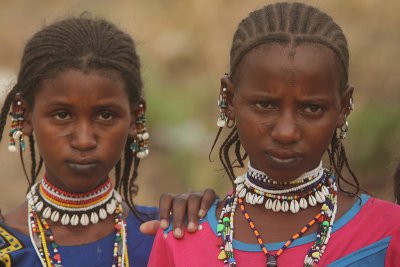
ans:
(39, 229)
(325, 218)
(73, 209)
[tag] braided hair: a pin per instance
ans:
(288, 24)
(84, 44)
(397, 184)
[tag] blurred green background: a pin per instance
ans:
(184, 47)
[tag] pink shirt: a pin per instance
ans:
(367, 235)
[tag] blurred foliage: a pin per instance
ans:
(184, 47)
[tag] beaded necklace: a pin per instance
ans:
(262, 177)
(46, 201)
(85, 208)
(326, 218)
(312, 187)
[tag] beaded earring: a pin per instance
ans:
(140, 143)
(343, 131)
(16, 131)
(223, 119)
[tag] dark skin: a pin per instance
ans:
(286, 106)
(75, 117)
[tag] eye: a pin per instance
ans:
(263, 105)
(105, 116)
(313, 109)
(62, 115)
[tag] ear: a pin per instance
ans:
(345, 105)
(27, 126)
(134, 116)
(230, 92)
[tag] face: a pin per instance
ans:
(81, 122)
(286, 106)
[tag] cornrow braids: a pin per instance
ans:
(84, 44)
(289, 24)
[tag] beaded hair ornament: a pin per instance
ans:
(16, 131)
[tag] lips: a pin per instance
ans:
(283, 158)
(82, 166)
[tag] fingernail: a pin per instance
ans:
(202, 213)
(164, 224)
(177, 232)
(191, 226)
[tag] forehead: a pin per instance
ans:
(71, 83)
(308, 65)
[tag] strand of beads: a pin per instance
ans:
(272, 259)
(39, 230)
(328, 212)
(85, 208)
(225, 230)
(262, 177)
(325, 218)
(278, 200)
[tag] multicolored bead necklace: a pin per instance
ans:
(85, 208)
(325, 218)
(262, 177)
(312, 187)
(46, 201)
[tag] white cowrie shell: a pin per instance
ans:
(312, 201)
(239, 179)
(94, 218)
(84, 219)
(285, 206)
(294, 206)
(303, 203)
(102, 214)
(65, 219)
(276, 205)
(39, 206)
(325, 190)
(268, 204)
(55, 216)
(46, 213)
(319, 197)
(239, 187)
(74, 220)
(242, 193)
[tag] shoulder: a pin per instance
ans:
(15, 248)
(210, 218)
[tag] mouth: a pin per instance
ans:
(82, 166)
(283, 158)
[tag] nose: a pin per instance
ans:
(286, 130)
(83, 137)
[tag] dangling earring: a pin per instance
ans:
(351, 105)
(343, 131)
(140, 143)
(223, 119)
(16, 131)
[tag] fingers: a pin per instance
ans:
(150, 227)
(193, 204)
(193, 207)
(207, 200)
(179, 213)
(164, 209)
